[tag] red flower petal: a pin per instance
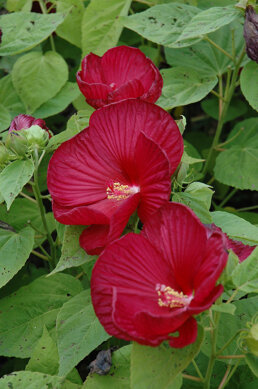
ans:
(180, 236)
(135, 116)
(187, 334)
(26, 121)
(122, 72)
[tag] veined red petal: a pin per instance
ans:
(187, 334)
(91, 72)
(131, 89)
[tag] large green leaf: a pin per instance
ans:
(78, 331)
(5, 118)
(38, 77)
(245, 275)
(204, 57)
(229, 325)
(70, 29)
(25, 312)
(163, 23)
(158, 367)
(24, 213)
(15, 249)
(14, 177)
(101, 27)
(72, 253)
(59, 102)
(237, 108)
(21, 30)
(197, 196)
(183, 85)
(237, 165)
(9, 98)
(119, 375)
(208, 21)
(45, 359)
(236, 227)
(33, 380)
(248, 78)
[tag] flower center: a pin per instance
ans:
(117, 191)
(169, 297)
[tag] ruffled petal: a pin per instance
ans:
(154, 178)
(94, 239)
(134, 116)
(91, 72)
(96, 94)
(132, 89)
(187, 334)
(181, 237)
(79, 215)
(154, 92)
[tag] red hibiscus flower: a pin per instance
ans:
(146, 287)
(22, 122)
(122, 73)
(240, 249)
(122, 162)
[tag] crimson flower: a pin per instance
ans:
(240, 249)
(122, 162)
(122, 73)
(22, 122)
(146, 287)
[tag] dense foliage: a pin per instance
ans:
(164, 152)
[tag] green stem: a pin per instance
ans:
(44, 11)
(225, 377)
(214, 333)
(191, 377)
(231, 373)
(228, 342)
(39, 255)
(41, 207)
(228, 98)
(228, 197)
(28, 197)
(197, 370)
(248, 208)
(218, 47)
(217, 95)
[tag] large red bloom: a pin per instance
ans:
(145, 287)
(122, 73)
(240, 249)
(22, 122)
(122, 162)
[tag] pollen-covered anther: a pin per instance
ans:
(117, 191)
(169, 297)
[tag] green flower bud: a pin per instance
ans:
(36, 136)
(17, 143)
(252, 340)
(4, 155)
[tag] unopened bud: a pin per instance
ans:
(251, 33)
(36, 136)
(16, 143)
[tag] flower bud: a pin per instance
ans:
(35, 136)
(16, 143)
(252, 340)
(251, 33)
(4, 155)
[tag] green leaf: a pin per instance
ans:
(5, 118)
(119, 375)
(25, 312)
(237, 108)
(237, 165)
(39, 77)
(208, 21)
(32, 380)
(236, 227)
(24, 213)
(75, 124)
(248, 85)
(9, 98)
(45, 359)
(229, 325)
(72, 253)
(24, 30)
(161, 364)
(78, 331)
(101, 27)
(18, 5)
(162, 24)
(252, 362)
(197, 196)
(182, 86)
(14, 177)
(245, 275)
(225, 308)
(70, 29)
(14, 252)
(204, 57)
(59, 102)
